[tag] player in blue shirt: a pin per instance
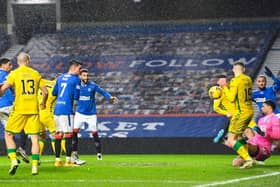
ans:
(265, 93)
(66, 89)
(7, 100)
(86, 113)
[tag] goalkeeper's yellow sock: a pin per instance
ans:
(42, 145)
(63, 148)
(53, 144)
(12, 154)
(242, 149)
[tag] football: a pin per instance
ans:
(215, 92)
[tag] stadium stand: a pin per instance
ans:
(4, 41)
(3, 11)
(155, 69)
(159, 57)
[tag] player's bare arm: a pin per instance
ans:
(45, 97)
(4, 87)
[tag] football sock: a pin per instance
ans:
(242, 149)
(57, 147)
(12, 154)
(97, 142)
(68, 145)
(75, 141)
(35, 159)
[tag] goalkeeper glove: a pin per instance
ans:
(258, 130)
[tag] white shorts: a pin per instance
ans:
(64, 123)
(4, 114)
(81, 119)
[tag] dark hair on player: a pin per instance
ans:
(239, 64)
(84, 70)
(221, 76)
(270, 103)
(4, 61)
(75, 63)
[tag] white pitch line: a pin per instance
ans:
(238, 180)
(96, 181)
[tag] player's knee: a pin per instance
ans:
(9, 135)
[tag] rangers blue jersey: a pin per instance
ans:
(86, 102)
(268, 93)
(66, 89)
(8, 98)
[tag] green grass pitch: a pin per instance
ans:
(145, 170)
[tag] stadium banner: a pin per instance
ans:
(161, 126)
(148, 63)
(167, 126)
